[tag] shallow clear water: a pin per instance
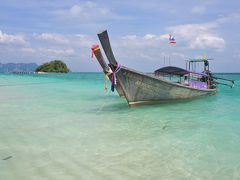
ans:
(64, 126)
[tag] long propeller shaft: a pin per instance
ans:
(214, 77)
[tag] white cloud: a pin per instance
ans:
(198, 10)
(130, 37)
(88, 12)
(78, 40)
(199, 35)
(82, 40)
(235, 17)
(12, 39)
(149, 48)
(28, 50)
(53, 51)
(149, 36)
(208, 41)
(145, 41)
(82, 9)
(187, 31)
(164, 36)
(203, 35)
(58, 38)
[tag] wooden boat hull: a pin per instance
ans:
(140, 88)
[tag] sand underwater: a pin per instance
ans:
(64, 126)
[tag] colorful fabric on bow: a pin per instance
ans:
(114, 77)
(94, 47)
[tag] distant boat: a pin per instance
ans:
(140, 88)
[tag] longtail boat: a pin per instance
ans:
(143, 88)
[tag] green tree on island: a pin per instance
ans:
(56, 66)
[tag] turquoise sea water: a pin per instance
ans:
(64, 126)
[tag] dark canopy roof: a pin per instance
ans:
(171, 70)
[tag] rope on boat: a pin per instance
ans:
(104, 103)
(114, 77)
(105, 83)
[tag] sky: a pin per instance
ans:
(41, 31)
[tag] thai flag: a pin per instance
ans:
(171, 39)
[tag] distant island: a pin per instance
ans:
(18, 67)
(55, 66)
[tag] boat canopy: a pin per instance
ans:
(199, 59)
(171, 70)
